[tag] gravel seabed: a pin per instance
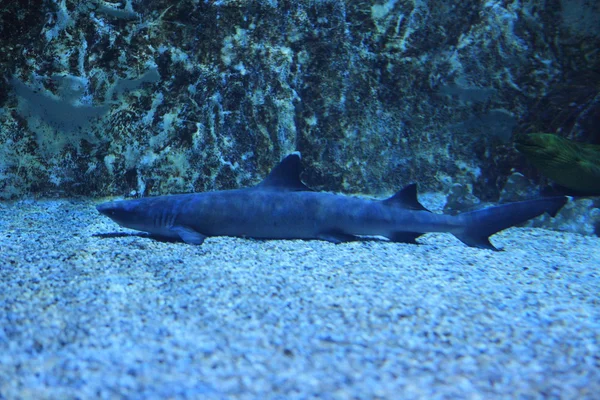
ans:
(89, 315)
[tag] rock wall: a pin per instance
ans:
(153, 97)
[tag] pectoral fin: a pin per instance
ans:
(404, 237)
(189, 235)
(481, 242)
(336, 237)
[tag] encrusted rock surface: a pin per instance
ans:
(197, 95)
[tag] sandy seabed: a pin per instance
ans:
(90, 310)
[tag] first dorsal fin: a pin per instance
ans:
(285, 176)
(406, 198)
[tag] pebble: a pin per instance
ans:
(89, 310)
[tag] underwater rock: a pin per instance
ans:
(461, 198)
(517, 188)
(494, 124)
(361, 88)
(57, 122)
(578, 216)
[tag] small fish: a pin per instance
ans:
(570, 164)
(282, 207)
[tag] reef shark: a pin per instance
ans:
(282, 207)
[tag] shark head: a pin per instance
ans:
(125, 213)
(153, 215)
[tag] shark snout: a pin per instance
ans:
(115, 210)
(107, 208)
(124, 213)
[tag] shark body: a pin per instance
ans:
(282, 207)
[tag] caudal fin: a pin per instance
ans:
(481, 224)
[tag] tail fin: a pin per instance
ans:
(481, 224)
